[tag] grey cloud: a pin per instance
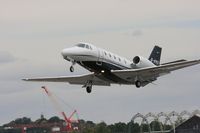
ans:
(36, 18)
(6, 57)
(137, 33)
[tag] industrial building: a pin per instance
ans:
(183, 122)
(191, 125)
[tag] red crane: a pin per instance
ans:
(68, 120)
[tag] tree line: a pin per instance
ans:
(91, 127)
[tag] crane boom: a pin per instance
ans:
(68, 120)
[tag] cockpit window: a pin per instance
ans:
(81, 45)
(87, 46)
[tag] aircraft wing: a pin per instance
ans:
(149, 74)
(78, 79)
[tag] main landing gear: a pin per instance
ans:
(89, 89)
(88, 86)
(138, 84)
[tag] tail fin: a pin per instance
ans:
(155, 55)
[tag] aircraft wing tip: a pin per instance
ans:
(26, 79)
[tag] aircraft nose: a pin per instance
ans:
(67, 52)
(74, 53)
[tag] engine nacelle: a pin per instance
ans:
(140, 62)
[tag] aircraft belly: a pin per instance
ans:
(93, 66)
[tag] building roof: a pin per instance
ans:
(190, 123)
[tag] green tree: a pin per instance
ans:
(101, 128)
(90, 124)
(118, 128)
(133, 127)
(145, 127)
(155, 125)
(54, 119)
(168, 127)
(23, 120)
(88, 130)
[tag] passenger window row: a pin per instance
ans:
(113, 56)
(82, 45)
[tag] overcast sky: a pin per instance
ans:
(33, 33)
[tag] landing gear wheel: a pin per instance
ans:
(71, 69)
(89, 89)
(138, 84)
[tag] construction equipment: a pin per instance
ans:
(68, 120)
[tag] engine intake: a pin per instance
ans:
(140, 62)
(136, 59)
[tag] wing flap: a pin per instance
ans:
(151, 73)
(182, 60)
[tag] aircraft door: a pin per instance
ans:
(100, 57)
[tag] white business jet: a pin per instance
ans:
(107, 68)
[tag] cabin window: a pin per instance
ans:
(105, 53)
(114, 57)
(125, 61)
(110, 55)
(119, 59)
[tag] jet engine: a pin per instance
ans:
(141, 62)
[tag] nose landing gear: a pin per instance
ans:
(71, 69)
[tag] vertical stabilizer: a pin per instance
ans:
(155, 55)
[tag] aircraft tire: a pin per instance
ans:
(89, 89)
(138, 84)
(71, 69)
